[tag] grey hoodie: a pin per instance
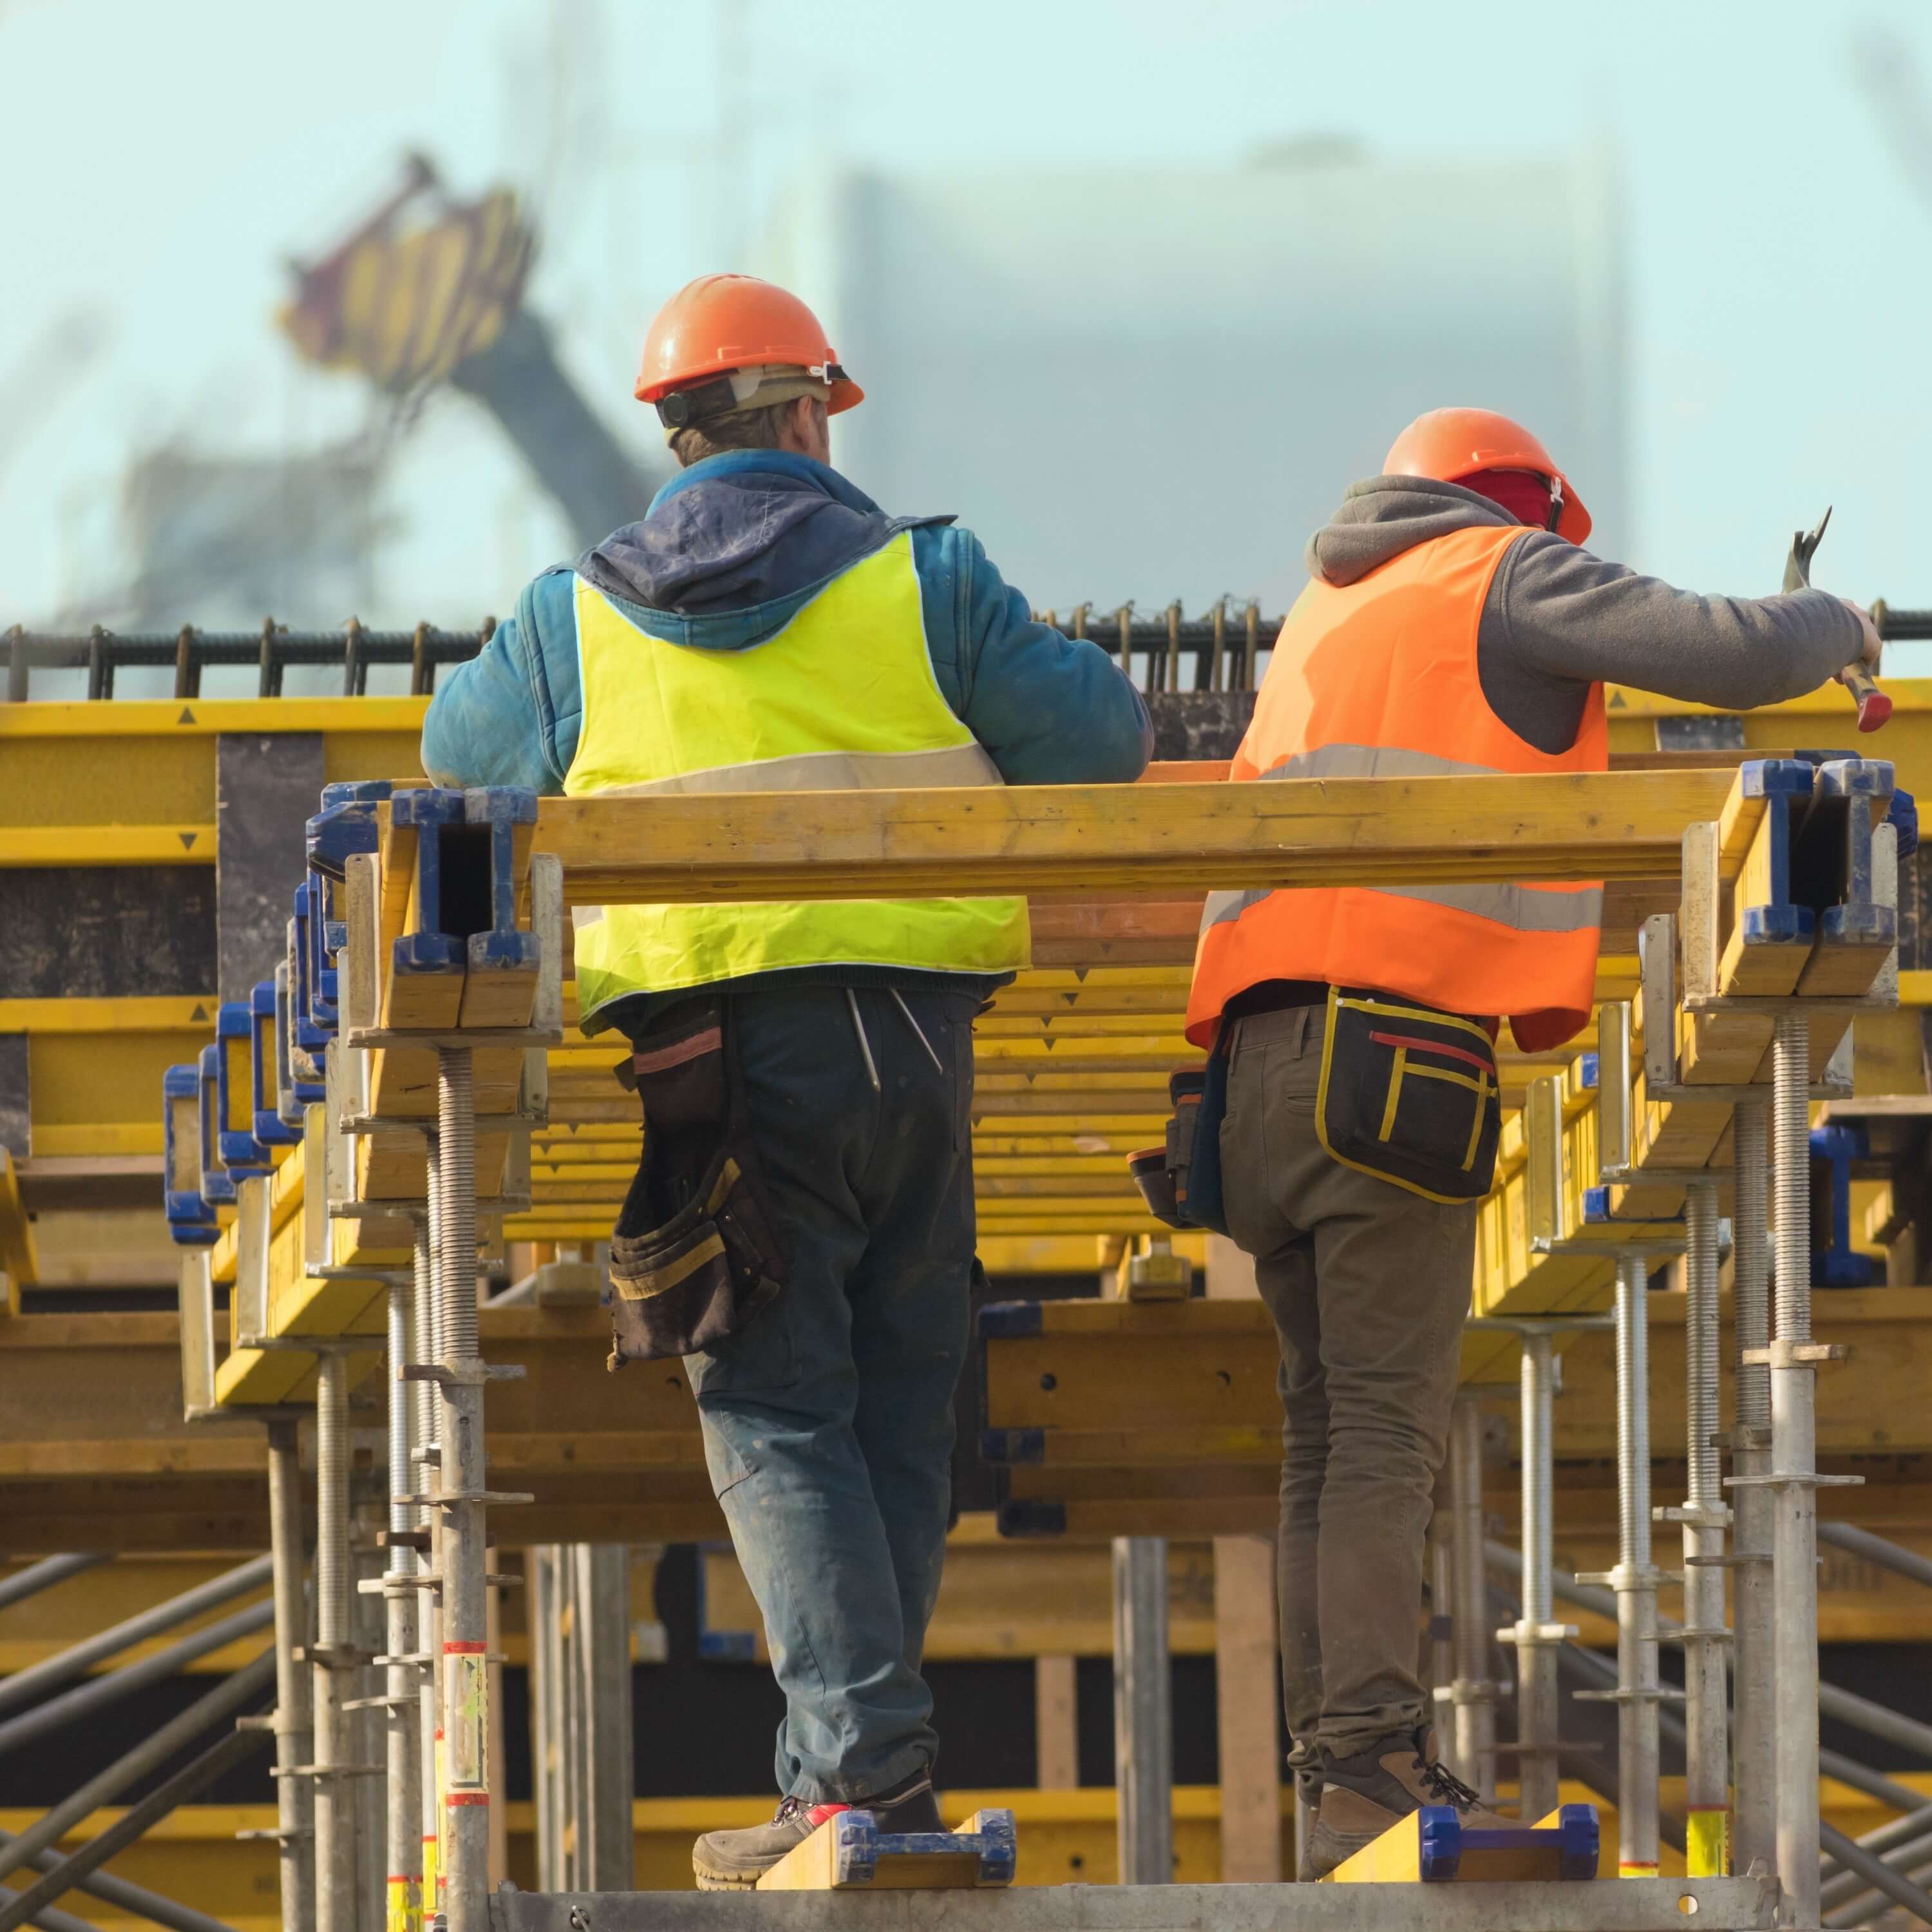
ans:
(1559, 619)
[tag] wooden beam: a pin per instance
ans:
(1127, 840)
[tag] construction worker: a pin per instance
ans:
(801, 1230)
(1452, 624)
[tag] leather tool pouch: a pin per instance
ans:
(696, 1250)
(1408, 1094)
(1180, 1182)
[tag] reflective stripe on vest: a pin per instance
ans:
(842, 698)
(1379, 679)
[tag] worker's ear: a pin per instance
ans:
(805, 433)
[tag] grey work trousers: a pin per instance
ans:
(1369, 1285)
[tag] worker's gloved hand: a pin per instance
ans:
(1904, 814)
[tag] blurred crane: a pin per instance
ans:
(428, 290)
(46, 373)
(1887, 69)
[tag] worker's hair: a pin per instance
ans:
(737, 429)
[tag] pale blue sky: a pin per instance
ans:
(160, 162)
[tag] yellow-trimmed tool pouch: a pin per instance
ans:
(1180, 1181)
(1409, 1095)
(696, 1250)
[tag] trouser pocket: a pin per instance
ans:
(696, 1250)
(1408, 1094)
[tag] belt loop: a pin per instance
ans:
(1304, 1020)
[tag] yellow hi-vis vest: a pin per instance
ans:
(842, 698)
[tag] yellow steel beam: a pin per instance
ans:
(19, 1265)
(44, 845)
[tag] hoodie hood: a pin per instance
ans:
(1382, 516)
(741, 539)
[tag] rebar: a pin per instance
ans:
(189, 1781)
(1160, 643)
(24, 1687)
(1882, 1878)
(213, 1707)
(1754, 1689)
(1707, 1765)
(1794, 1466)
(48, 1571)
(100, 1692)
(136, 1901)
(1635, 1580)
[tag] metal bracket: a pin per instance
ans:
(1699, 1515)
(1776, 1004)
(1619, 1579)
(443, 1496)
(1802, 1479)
(1536, 1634)
(1783, 1355)
(472, 1375)
(1541, 1325)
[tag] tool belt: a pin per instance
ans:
(1180, 1181)
(696, 1251)
(1408, 1094)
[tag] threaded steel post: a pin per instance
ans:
(428, 1326)
(402, 1711)
(1794, 1463)
(1536, 1652)
(295, 1807)
(465, 1846)
(335, 1794)
(1753, 1685)
(1707, 1754)
(1636, 1583)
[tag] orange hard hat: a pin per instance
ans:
(722, 323)
(1451, 444)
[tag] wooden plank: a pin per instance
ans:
(1140, 840)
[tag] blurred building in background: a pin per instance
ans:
(1154, 383)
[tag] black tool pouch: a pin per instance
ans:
(1180, 1182)
(1408, 1094)
(696, 1250)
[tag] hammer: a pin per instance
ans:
(1874, 707)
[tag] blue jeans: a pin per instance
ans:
(828, 1418)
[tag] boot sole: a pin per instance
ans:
(716, 1881)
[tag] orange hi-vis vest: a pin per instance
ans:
(1377, 679)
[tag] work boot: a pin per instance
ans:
(1363, 1795)
(736, 1861)
(1308, 1795)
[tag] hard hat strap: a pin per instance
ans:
(1555, 503)
(683, 407)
